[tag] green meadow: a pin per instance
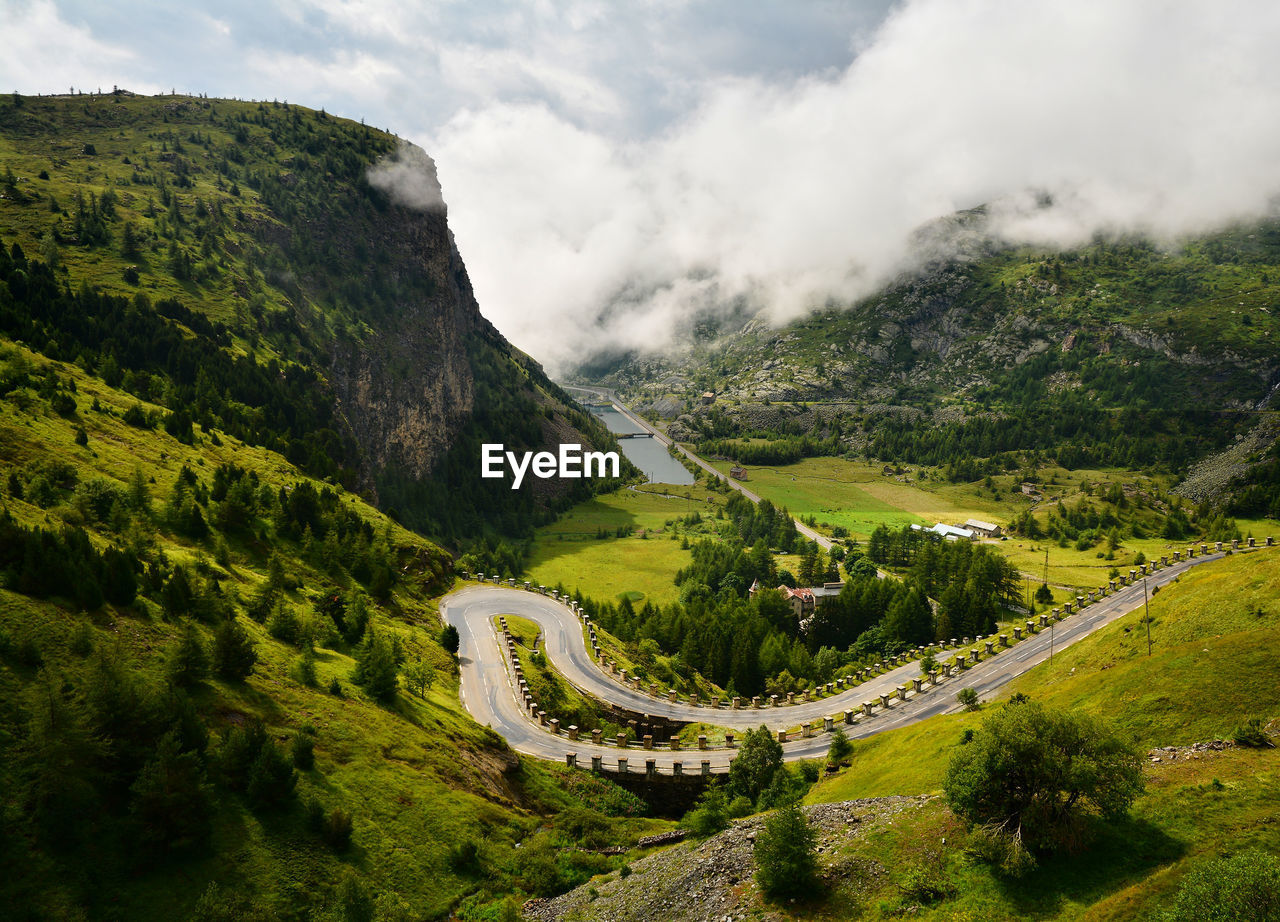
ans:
(1219, 620)
(582, 550)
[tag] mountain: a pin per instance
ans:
(1119, 353)
(240, 384)
(234, 261)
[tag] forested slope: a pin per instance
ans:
(233, 262)
(1122, 353)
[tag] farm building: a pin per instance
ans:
(986, 529)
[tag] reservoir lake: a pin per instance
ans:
(648, 454)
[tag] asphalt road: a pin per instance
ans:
(488, 694)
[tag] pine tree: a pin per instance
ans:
(171, 799)
(177, 596)
(272, 778)
(376, 671)
(187, 663)
(129, 243)
(233, 653)
(784, 854)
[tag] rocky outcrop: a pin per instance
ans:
(714, 880)
(405, 389)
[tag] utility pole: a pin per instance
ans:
(1146, 603)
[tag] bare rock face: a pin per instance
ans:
(408, 386)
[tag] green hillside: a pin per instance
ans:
(1123, 353)
(1214, 632)
(232, 262)
(238, 384)
(93, 694)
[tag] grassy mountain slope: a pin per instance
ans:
(416, 775)
(1214, 633)
(233, 377)
(252, 229)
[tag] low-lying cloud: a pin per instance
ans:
(1144, 116)
(408, 176)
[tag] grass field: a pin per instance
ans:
(643, 564)
(1217, 638)
(1214, 632)
(861, 497)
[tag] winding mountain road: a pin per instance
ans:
(488, 691)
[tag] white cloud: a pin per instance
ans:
(44, 53)
(408, 175)
(1149, 116)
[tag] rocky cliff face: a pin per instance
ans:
(408, 386)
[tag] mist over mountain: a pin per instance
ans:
(780, 196)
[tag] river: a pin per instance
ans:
(648, 454)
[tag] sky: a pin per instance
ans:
(613, 169)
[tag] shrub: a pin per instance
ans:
(969, 698)
(784, 853)
(1242, 887)
(464, 857)
(337, 829)
(303, 751)
(304, 668)
(710, 815)
(925, 884)
(840, 749)
(740, 807)
(1253, 732)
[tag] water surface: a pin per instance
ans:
(649, 455)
